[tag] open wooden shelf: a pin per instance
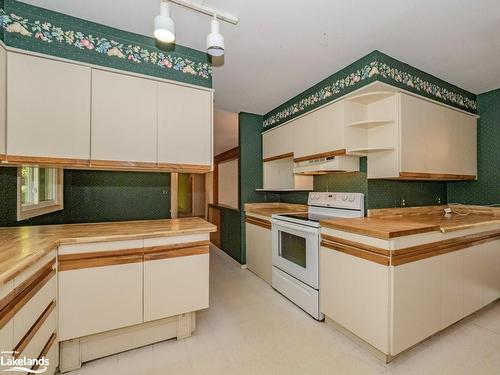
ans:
(371, 97)
(368, 124)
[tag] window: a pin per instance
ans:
(40, 191)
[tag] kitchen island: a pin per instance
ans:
(397, 277)
(98, 289)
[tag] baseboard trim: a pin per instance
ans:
(227, 257)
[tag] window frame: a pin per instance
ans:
(45, 207)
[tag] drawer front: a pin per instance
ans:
(30, 312)
(99, 247)
(35, 347)
(6, 336)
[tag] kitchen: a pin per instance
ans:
(183, 190)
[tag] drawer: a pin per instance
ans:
(6, 336)
(98, 247)
(29, 313)
(35, 347)
(160, 241)
(20, 279)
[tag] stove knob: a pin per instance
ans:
(351, 199)
(344, 198)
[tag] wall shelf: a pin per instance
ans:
(371, 97)
(368, 124)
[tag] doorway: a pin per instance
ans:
(188, 197)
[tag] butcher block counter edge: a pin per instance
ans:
(22, 247)
(269, 208)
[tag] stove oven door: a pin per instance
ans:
(296, 251)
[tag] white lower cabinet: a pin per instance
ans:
(175, 286)
(98, 299)
(259, 251)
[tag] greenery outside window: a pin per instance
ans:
(39, 191)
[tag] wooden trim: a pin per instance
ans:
(114, 260)
(327, 154)
(184, 168)
(19, 301)
(415, 253)
(116, 164)
(278, 157)
(231, 154)
(175, 253)
(358, 245)
(26, 283)
(409, 254)
(177, 246)
(259, 222)
(47, 161)
(434, 176)
(33, 330)
(359, 253)
(46, 349)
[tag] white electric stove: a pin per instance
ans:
(296, 242)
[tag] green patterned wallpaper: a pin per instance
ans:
(93, 196)
(376, 66)
(486, 190)
(40, 30)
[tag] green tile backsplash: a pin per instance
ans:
(93, 196)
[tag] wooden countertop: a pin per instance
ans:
(400, 224)
(23, 246)
(271, 208)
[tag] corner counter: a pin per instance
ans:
(414, 269)
(79, 292)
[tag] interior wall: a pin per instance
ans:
(95, 196)
(486, 190)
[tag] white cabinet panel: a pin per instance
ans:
(491, 271)
(452, 288)
(416, 302)
(123, 117)
(436, 139)
(319, 131)
(184, 125)
(99, 299)
(278, 141)
(175, 286)
(347, 299)
(48, 110)
(3, 102)
(259, 251)
(473, 279)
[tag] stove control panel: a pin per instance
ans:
(351, 201)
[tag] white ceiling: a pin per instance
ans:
(225, 131)
(280, 48)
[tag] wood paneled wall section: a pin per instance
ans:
(214, 218)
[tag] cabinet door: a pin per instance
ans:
(99, 299)
(452, 288)
(259, 251)
(436, 139)
(48, 111)
(278, 141)
(123, 117)
(320, 131)
(184, 125)
(3, 100)
(176, 278)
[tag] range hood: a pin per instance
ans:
(326, 165)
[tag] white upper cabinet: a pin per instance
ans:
(320, 131)
(123, 117)
(436, 139)
(48, 108)
(184, 125)
(3, 101)
(278, 141)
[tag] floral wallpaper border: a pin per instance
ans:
(48, 32)
(372, 71)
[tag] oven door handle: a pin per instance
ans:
(302, 228)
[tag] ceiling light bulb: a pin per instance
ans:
(215, 41)
(164, 25)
